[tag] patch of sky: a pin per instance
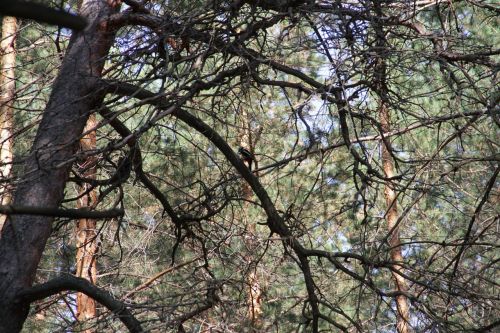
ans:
(149, 220)
(332, 181)
(343, 242)
(403, 155)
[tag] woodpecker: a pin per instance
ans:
(246, 156)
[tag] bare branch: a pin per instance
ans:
(73, 283)
(56, 212)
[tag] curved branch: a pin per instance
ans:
(73, 283)
(275, 222)
(135, 152)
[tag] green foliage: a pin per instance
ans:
(443, 140)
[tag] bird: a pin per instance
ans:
(246, 156)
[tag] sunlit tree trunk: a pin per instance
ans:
(7, 90)
(396, 255)
(380, 80)
(254, 291)
(86, 232)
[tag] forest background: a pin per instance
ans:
(367, 200)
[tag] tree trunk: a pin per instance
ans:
(86, 232)
(392, 218)
(8, 87)
(73, 96)
(382, 90)
(254, 294)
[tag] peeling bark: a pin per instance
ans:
(403, 311)
(254, 291)
(391, 216)
(86, 231)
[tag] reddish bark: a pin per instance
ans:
(395, 252)
(86, 233)
(254, 293)
(403, 312)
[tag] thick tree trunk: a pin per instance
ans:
(7, 87)
(86, 232)
(46, 169)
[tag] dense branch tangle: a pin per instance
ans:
(312, 71)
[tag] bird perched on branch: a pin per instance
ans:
(247, 157)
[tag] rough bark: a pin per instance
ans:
(7, 87)
(403, 312)
(254, 291)
(46, 170)
(86, 232)
(391, 216)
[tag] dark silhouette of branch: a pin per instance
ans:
(275, 222)
(73, 283)
(56, 212)
(41, 13)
